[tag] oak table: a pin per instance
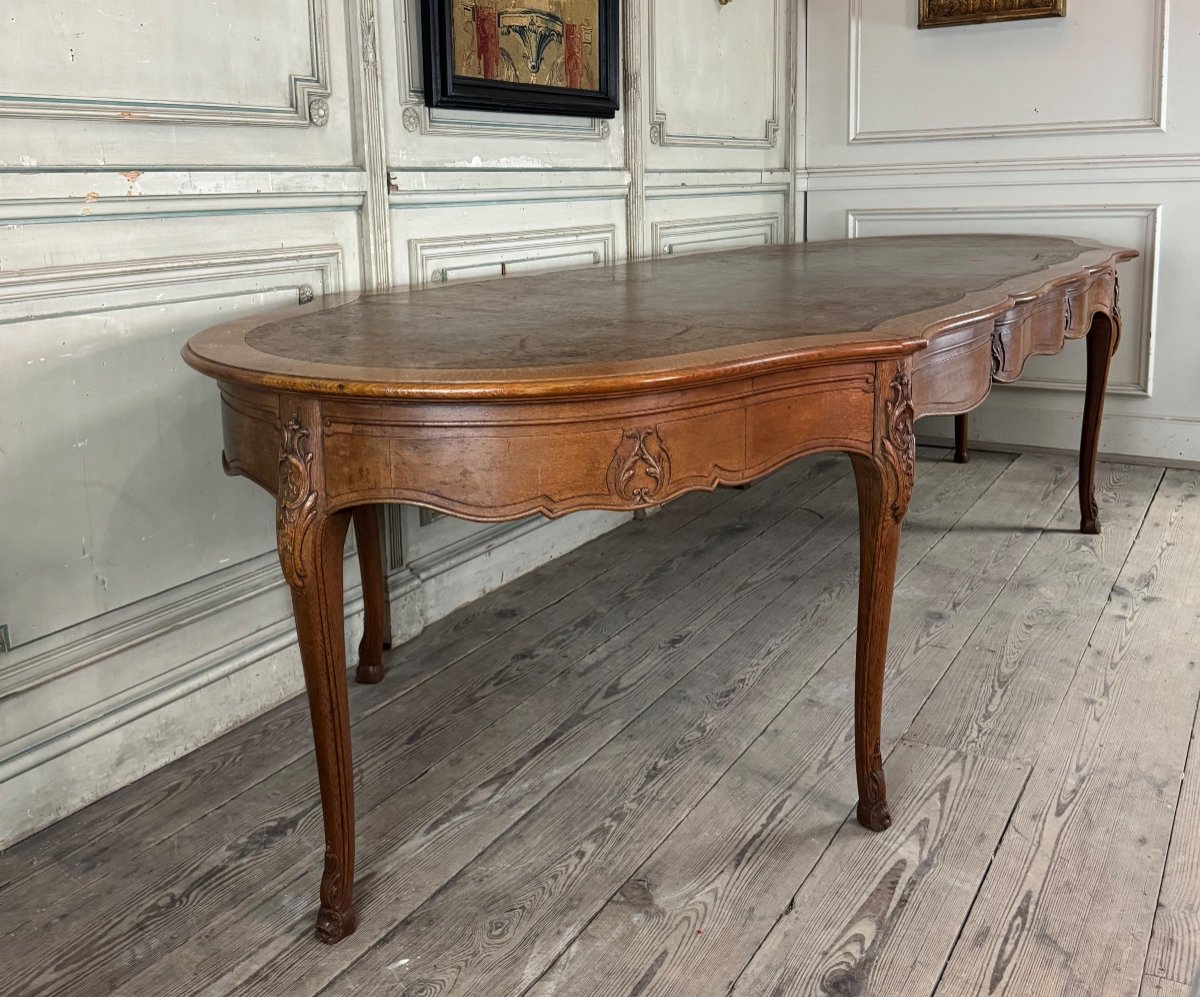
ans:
(623, 387)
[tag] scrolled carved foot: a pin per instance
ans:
(874, 816)
(369, 672)
(1090, 526)
(370, 663)
(333, 926)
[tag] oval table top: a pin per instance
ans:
(646, 324)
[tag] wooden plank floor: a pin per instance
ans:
(630, 773)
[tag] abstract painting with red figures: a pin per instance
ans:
(549, 43)
(541, 56)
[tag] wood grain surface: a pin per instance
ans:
(66, 858)
(1001, 697)
(254, 840)
(698, 909)
(1156, 986)
(1175, 944)
(666, 322)
(466, 800)
(738, 851)
(1070, 897)
(860, 923)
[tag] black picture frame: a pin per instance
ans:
(444, 89)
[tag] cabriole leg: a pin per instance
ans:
(311, 544)
(1101, 345)
(884, 481)
(375, 601)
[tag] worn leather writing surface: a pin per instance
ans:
(775, 305)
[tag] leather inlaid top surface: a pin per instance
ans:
(597, 327)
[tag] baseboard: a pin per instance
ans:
(95, 707)
(947, 443)
(1160, 441)
(458, 574)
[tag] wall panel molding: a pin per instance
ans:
(669, 238)
(633, 71)
(1055, 171)
(102, 203)
(309, 90)
(1149, 214)
(420, 188)
(765, 137)
(375, 232)
(436, 261)
(1153, 121)
(55, 292)
(663, 184)
(147, 659)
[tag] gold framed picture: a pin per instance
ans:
(944, 13)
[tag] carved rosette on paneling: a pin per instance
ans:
(318, 111)
(899, 442)
(641, 467)
(296, 502)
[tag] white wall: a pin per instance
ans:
(203, 159)
(1085, 125)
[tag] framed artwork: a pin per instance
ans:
(942, 13)
(544, 56)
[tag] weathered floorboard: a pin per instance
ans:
(636, 761)
(253, 839)
(78, 849)
(1001, 693)
(559, 865)
(1156, 986)
(1068, 902)
(417, 839)
(860, 923)
(1175, 942)
(532, 752)
(693, 915)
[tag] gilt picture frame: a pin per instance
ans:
(945, 13)
(538, 56)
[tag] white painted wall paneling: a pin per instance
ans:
(1083, 126)
(234, 159)
(189, 77)
(1111, 80)
(717, 83)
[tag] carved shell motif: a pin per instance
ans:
(641, 467)
(899, 442)
(297, 502)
